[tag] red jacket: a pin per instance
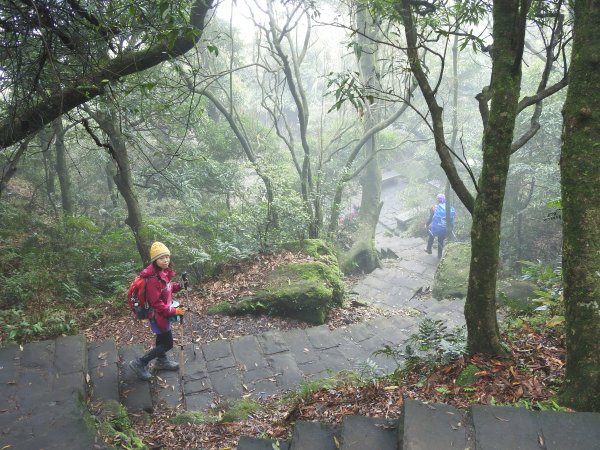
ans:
(159, 291)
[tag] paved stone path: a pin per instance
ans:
(42, 384)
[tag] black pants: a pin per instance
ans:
(164, 343)
(440, 243)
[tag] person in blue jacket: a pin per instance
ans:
(436, 225)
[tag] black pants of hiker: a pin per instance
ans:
(164, 343)
(440, 243)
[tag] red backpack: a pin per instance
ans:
(136, 297)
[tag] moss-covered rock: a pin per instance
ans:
(517, 294)
(302, 290)
(316, 248)
(362, 258)
(452, 275)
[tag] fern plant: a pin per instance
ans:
(431, 346)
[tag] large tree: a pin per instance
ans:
(509, 26)
(580, 180)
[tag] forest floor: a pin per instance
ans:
(529, 374)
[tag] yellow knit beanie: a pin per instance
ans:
(157, 250)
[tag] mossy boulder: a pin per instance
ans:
(517, 294)
(452, 275)
(361, 258)
(315, 248)
(302, 290)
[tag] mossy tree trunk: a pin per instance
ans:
(66, 195)
(580, 182)
(509, 18)
(363, 254)
(480, 307)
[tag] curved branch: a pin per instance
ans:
(28, 121)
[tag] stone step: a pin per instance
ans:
(43, 394)
(502, 427)
(433, 426)
(360, 433)
(103, 370)
(252, 443)
(135, 393)
(315, 435)
(197, 388)
(70, 355)
(168, 382)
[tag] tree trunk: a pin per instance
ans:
(272, 213)
(45, 140)
(363, 255)
(436, 111)
(10, 168)
(509, 18)
(123, 179)
(580, 182)
(62, 171)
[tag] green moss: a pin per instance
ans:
(305, 291)
(314, 272)
(219, 308)
(467, 376)
(228, 412)
(113, 423)
(452, 275)
(312, 247)
(240, 410)
(362, 258)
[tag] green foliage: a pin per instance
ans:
(17, 326)
(550, 293)
(432, 346)
(368, 370)
(547, 405)
(467, 376)
(224, 413)
(53, 271)
(113, 424)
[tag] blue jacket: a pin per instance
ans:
(438, 219)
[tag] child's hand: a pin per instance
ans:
(180, 311)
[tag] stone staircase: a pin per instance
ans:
(258, 366)
(43, 386)
(442, 427)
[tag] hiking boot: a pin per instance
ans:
(140, 369)
(427, 250)
(165, 364)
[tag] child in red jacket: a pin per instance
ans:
(159, 290)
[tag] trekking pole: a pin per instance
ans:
(190, 321)
(181, 347)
